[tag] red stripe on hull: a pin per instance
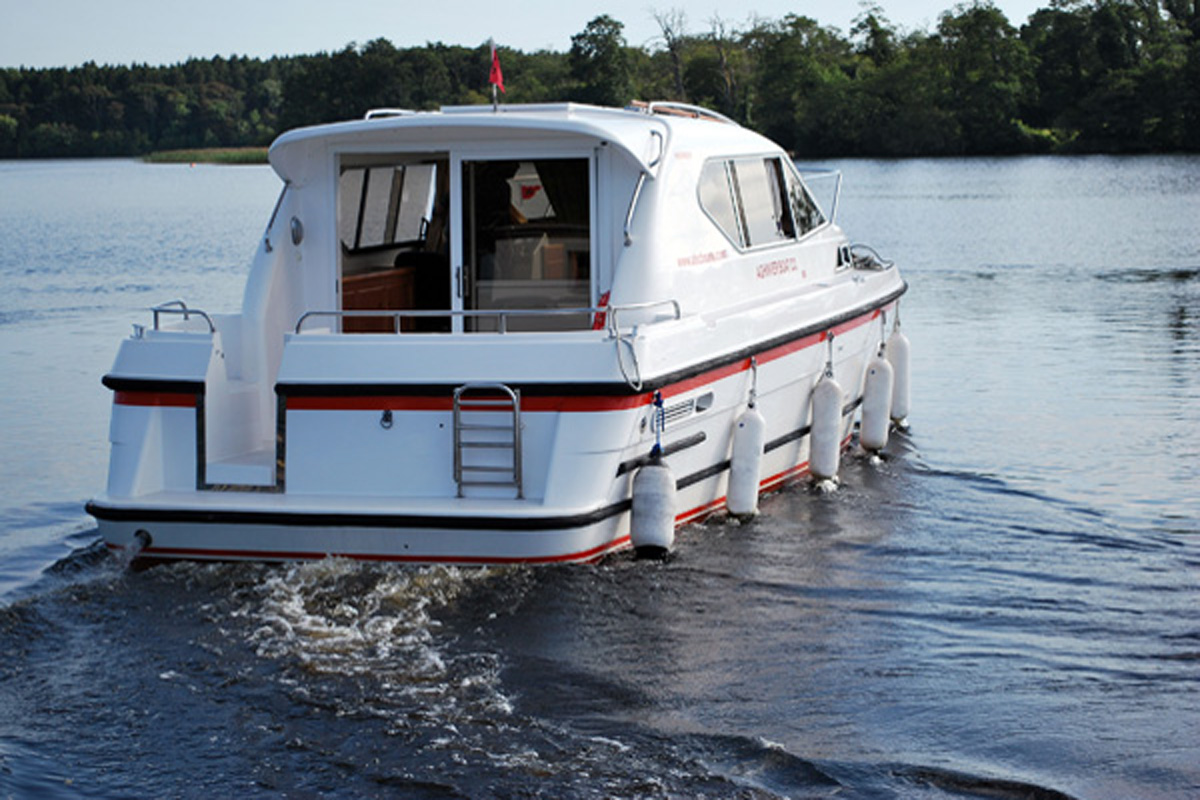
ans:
(419, 403)
(589, 555)
(569, 404)
(154, 399)
(766, 485)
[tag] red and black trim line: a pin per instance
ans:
(151, 392)
(605, 396)
(590, 555)
(353, 520)
(598, 396)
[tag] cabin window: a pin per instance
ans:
(757, 201)
(384, 205)
(805, 211)
(764, 203)
(718, 199)
(392, 222)
(527, 241)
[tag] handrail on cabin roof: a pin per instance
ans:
(672, 108)
(384, 113)
(661, 107)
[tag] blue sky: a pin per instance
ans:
(48, 33)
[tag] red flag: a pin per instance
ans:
(496, 77)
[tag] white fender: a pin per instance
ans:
(652, 521)
(825, 440)
(749, 436)
(898, 357)
(876, 405)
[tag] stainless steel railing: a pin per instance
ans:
(827, 198)
(614, 325)
(397, 316)
(501, 316)
(180, 308)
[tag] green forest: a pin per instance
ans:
(1079, 76)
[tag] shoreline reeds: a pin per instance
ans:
(209, 155)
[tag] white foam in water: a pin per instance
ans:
(620, 747)
(338, 617)
(827, 486)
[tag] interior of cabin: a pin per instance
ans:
(525, 243)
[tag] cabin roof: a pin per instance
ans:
(644, 137)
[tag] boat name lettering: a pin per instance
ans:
(780, 266)
(703, 258)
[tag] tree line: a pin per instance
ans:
(1079, 76)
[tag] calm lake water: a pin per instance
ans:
(1008, 606)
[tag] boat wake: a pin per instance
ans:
(756, 767)
(1151, 275)
(965, 785)
(339, 619)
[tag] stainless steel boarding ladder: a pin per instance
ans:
(487, 451)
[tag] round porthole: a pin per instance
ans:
(297, 231)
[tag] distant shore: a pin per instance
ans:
(209, 155)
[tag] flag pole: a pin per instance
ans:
(492, 78)
(495, 77)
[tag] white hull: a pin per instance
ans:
(253, 436)
(266, 525)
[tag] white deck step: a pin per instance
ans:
(249, 469)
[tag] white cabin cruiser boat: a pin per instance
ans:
(466, 332)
